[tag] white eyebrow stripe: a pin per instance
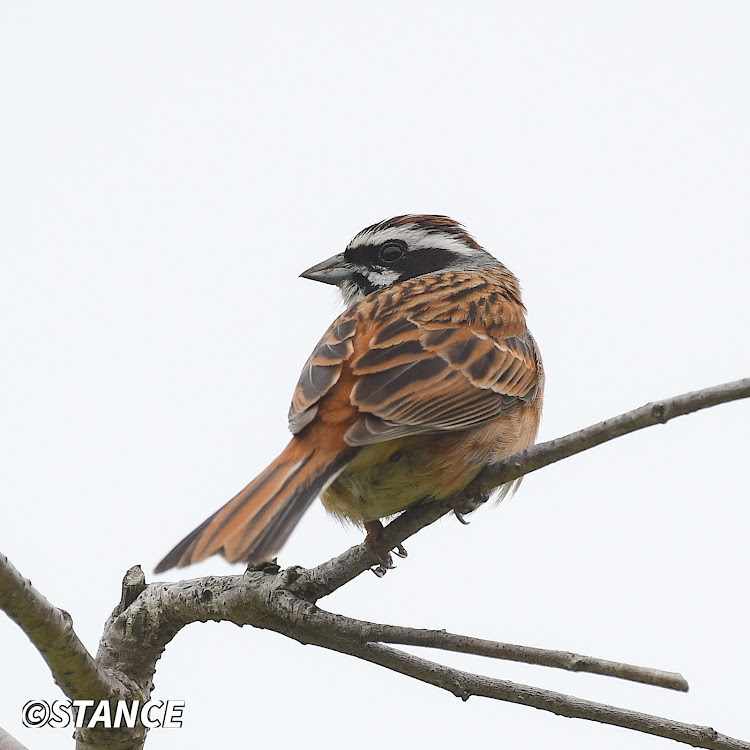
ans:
(415, 238)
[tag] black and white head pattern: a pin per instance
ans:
(405, 247)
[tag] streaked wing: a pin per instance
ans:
(459, 378)
(427, 356)
(321, 372)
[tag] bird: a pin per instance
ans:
(429, 376)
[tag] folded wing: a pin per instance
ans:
(421, 368)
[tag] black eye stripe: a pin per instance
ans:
(372, 255)
(372, 273)
(391, 252)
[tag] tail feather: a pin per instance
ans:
(256, 522)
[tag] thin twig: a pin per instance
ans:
(371, 632)
(312, 625)
(657, 412)
(466, 684)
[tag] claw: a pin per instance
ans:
(468, 505)
(385, 561)
(460, 516)
(384, 565)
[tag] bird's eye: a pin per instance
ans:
(391, 252)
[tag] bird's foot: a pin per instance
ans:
(266, 566)
(383, 567)
(373, 544)
(468, 504)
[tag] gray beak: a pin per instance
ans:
(334, 270)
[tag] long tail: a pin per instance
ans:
(256, 522)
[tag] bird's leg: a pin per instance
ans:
(373, 544)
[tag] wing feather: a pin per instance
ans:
(422, 365)
(321, 372)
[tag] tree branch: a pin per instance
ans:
(148, 617)
(51, 630)
(657, 412)
(8, 742)
(262, 598)
(135, 637)
(326, 578)
(370, 632)
(466, 684)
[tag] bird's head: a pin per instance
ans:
(398, 249)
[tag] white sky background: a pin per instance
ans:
(167, 171)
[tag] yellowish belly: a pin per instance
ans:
(385, 478)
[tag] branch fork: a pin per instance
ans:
(148, 616)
